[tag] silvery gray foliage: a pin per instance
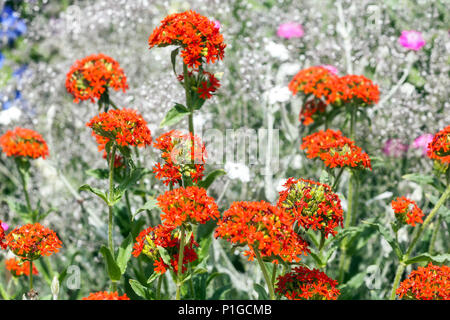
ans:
(359, 37)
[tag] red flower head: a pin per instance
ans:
(103, 295)
(208, 85)
(22, 142)
(305, 284)
(319, 86)
(3, 244)
(426, 283)
(32, 241)
(313, 205)
(126, 127)
(335, 150)
(439, 147)
(90, 77)
(164, 236)
(190, 204)
(262, 227)
(407, 211)
(178, 151)
(197, 35)
(18, 267)
(358, 89)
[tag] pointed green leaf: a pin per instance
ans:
(95, 191)
(174, 115)
(173, 59)
(140, 290)
(111, 265)
(392, 242)
(262, 294)
(206, 183)
(124, 253)
(149, 205)
(426, 257)
(101, 174)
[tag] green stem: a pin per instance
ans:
(23, 180)
(265, 274)
(158, 288)
(416, 238)
(434, 236)
(348, 218)
(353, 123)
(31, 275)
(274, 274)
(180, 263)
(112, 156)
(336, 181)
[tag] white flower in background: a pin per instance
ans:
(278, 94)
(237, 171)
(277, 50)
(280, 184)
(9, 115)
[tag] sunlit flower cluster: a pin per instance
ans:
(166, 237)
(439, 147)
(426, 283)
(19, 267)
(335, 150)
(104, 295)
(313, 205)
(32, 241)
(22, 142)
(359, 90)
(264, 228)
(183, 155)
(198, 36)
(126, 127)
(90, 77)
(407, 211)
(190, 204)
(306, 284)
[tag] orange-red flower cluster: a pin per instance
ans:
(407, 211)
(335, 150)
(316, 81)
(18, 267)
(439, 147)
(426, 283)
(126, 127)
(3, 244)
(104, 295)
(190, 204)
(32, 241)
(313, 205)
(262, 227)
(359, 90)
(322, 87)
(164, 236)
(197, 35)
(305, 284)
(183, 154)
(90, 77)
(22, 142)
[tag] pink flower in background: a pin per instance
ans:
(216, 24)
(290, 30)
(395, 148)
(5, 226)
(422, 142)
(330, 68)
(411, 39)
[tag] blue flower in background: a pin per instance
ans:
(11, 25)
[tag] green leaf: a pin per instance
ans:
(324, 177)
(132, 179)
(316, 258)
(173, 59)
(174, 115)
(206, 183)
(124, 253)
(426, 257)
(149, 205)
(153, 277)
(111, 265)
(100, 174)
(262, 294)
(140, 290)
(164, 255)
(95, 191)
(392, 242)
(19, 209)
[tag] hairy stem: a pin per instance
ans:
(265, 274)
